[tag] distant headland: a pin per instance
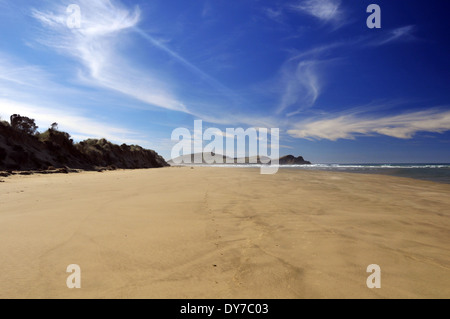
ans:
(190, 159)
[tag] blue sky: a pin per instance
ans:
(136, 70)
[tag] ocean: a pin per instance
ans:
(431, 172)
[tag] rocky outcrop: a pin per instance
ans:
(292, 160)
(52, 149)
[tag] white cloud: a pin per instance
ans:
(23, 84)
(400, 34)
(403, 126)
(300, 85)
(324, 10)
(96, 45)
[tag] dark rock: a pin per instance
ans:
(25, 173)
(62, 170)
(3, 154)
(292, 160)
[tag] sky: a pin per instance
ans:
(133, 71)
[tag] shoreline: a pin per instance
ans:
(208, 233)
(373, 171)
(309, 168)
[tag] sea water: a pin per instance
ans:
(431, 172)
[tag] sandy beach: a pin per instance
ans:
(223, 233)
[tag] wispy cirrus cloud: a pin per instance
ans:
(28, 82)
(300, 85)
(405, 33)
(96, 46)
(300, 77)
(349, 126)
(26, 75)
(190, 66)
(328, 11)
(31, 91)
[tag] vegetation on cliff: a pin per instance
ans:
(22, 147)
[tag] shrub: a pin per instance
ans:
(24, 124)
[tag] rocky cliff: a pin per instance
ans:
(54, 149)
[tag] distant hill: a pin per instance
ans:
(191, 157)
(21, 150)
(285, 160)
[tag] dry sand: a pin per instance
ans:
(223, 233)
